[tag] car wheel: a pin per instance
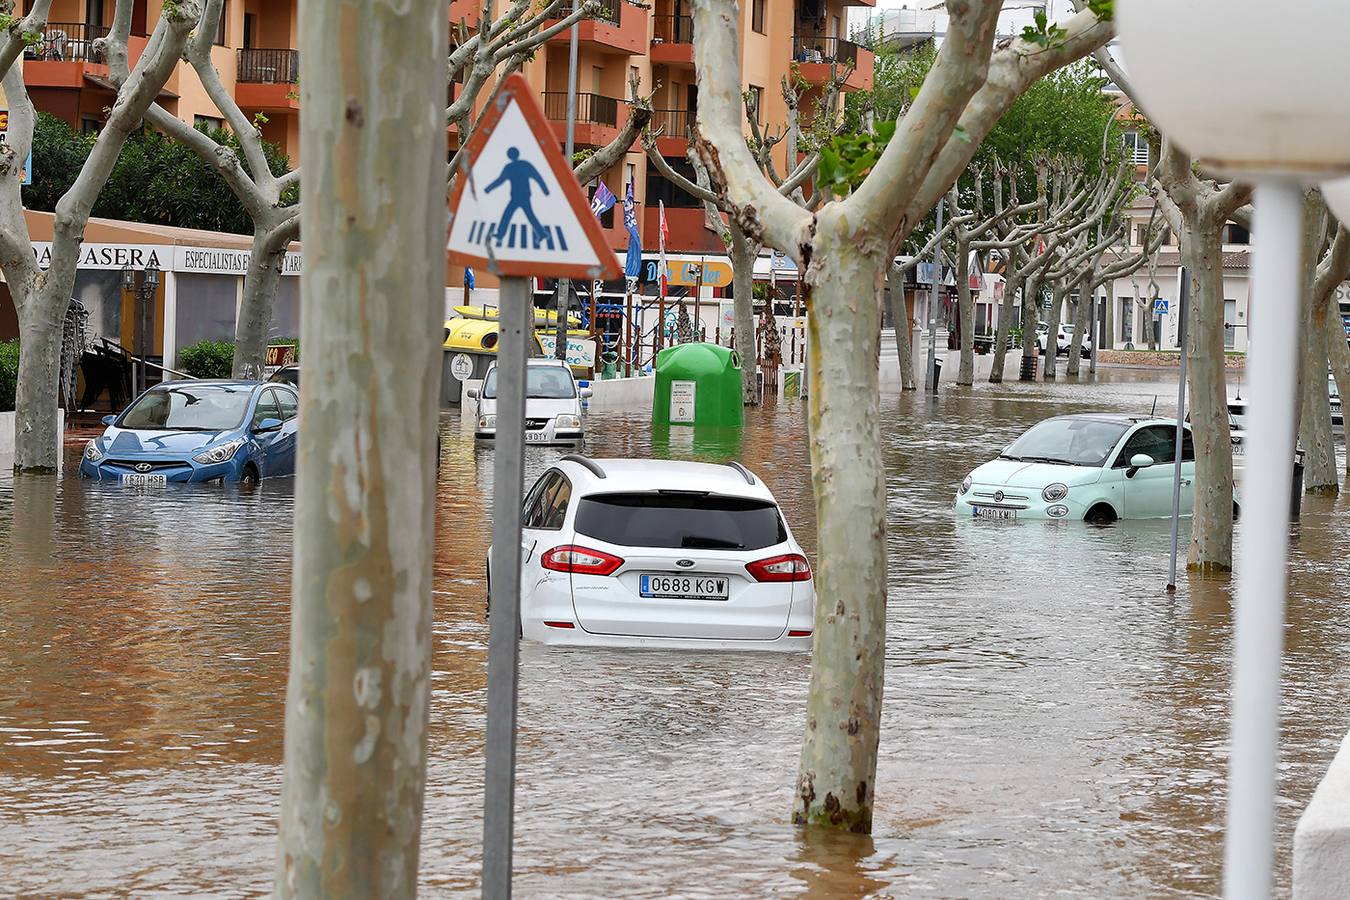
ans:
(1101, 514)
(249, 475)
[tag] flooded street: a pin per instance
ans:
(1054, 721)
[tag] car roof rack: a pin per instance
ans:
(745, 473)
(586, 463)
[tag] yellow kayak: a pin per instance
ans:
(489, 313)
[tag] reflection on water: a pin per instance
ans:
(1054, 721)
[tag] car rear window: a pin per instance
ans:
(681, 521)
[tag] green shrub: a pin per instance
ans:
(9, 374)
(207, 359)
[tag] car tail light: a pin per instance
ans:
(789, 567)
(580, 560)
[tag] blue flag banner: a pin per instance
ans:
(603, 200)
(633, 264)
(468, 278)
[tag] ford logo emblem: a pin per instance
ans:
(684, 563)
(998, 496)
(143, 467)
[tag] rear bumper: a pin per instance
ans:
(577, 637)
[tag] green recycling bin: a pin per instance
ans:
(698, 384)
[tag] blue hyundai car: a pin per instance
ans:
(221, 431)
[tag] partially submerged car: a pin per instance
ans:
(1092, 467)
(552, 404)
(199, 430)
(660, 553)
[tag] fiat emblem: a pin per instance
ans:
(998, 496)
(143, 467)
(684, 563)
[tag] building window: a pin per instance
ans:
(1127, 320)
(250, 29)
(220, 26)
(1136, 147)
(1233, 233)
(757, 15)
(210, 123)
(1140, 235)
(757, 97)
(90, 125)
(629, 177)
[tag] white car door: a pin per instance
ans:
(1148, 492)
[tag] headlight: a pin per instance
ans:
(566, 421)
(965, 485)
(1057, 512)
(91, 451)
(224, 453)
(1053, 493)
(487, 421)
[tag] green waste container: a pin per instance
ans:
(698, 384)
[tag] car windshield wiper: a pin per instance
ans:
(1049, 459)
(709, 543)
(1009, 456)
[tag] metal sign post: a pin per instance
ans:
(1183, 297)
(518, 210)
(508, 487)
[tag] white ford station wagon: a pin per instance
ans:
(1093, 467)
(658, 553)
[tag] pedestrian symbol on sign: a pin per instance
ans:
(1159, 306)
(518, 173)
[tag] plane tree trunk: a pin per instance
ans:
(372, 296)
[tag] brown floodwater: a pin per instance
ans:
(1054, 721)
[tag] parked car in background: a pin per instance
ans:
(1093, 467)
(659, 553)
(203, 430)
(287, 375)
(552, 404)
(1064, 342)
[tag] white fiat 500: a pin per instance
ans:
(657, 553)
(552, 404)
(1093, 467)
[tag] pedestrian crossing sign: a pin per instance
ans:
(517, 209)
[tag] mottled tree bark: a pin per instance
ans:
(1339, 353)
(1005, 315)
(1211, 547)
(1319, 283)
(372, 289)
(1059, 292)
(965, 304)
(902, 326)
(743, 253)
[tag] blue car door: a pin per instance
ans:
(266, 408)
(283, 447)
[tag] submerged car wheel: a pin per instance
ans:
(1101, 514)
(249, 475)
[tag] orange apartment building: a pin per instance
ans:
(257, 59)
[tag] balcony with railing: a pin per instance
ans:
(266, 79)
(673, 40)
(65, 53)
(616, 28)
(674, 125)
(815, 56)
(597, 117)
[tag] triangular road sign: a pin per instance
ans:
(518, 210)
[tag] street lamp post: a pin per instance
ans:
(1265, 105)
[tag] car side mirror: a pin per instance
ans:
(587, 393)
(268, 424)
(472, 393)
(108, 420)
(1137, 462)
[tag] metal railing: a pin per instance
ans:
(817, 48)
(674, 123)
(673, 30)
(68, 42)
(608, 11)
(261, 66)
(595, 109)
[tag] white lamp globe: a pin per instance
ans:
(1246, 87)
(1337, 195)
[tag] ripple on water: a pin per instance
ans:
(1054, 722)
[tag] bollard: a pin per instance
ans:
(1296, 488)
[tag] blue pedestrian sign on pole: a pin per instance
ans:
(1159, 306)
(517, 209)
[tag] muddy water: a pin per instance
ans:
(1054, 721)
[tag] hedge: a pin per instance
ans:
(9, 374)
(207, 359)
